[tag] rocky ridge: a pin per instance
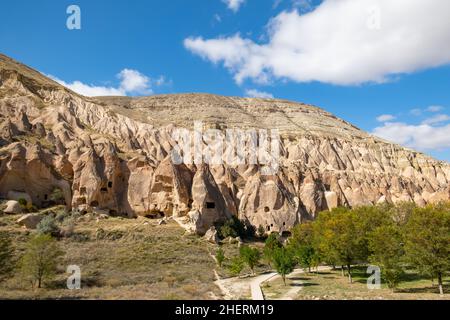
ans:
(113, 154)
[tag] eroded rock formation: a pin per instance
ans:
(114, 154)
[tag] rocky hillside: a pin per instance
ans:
(113, 154)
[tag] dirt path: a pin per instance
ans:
(250, 287)
(296, 285)
(255, 285)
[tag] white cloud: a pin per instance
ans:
(422, 137)
(435, 108)
(234, 5)
(439, 118)
(131, 82)
(253, 93)
(134, 82)
(335, 43)
(89, 90)
(385, 117)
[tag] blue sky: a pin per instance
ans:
(315, 52)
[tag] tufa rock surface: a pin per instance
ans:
(114, 154)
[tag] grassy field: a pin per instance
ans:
(140, 259)
(122, 259)
(330, 285)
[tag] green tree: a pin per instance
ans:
(283, 262)
(236, 267)
(250, 256)
(366, 219)
(340, 239)
(40, 261)
(271, 244)
(6, 256)
(220, 257)
(301, 244)
(427, 238)
(386, 245)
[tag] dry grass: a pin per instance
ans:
(128, 259)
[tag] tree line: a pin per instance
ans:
(394, 238)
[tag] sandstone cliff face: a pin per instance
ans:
(114, 154)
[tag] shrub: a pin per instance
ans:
(48, 226)
(61, 216)
(236, 266)
(220, 257)
(23, 202)
(235, 228)
(261, 232)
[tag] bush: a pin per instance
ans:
(261, 232)
(23, 202)
(220, 257)
(235, 228)
(236, 266)
(48, 226)
(61, 216)
(27, 207)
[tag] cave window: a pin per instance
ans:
(104, 190)
(266, 209)
(110, 184)
(271, 225)
(327, 187)
(94, 204)
(45, 196)
(210, 205)
(284, 223)
(268, 228)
